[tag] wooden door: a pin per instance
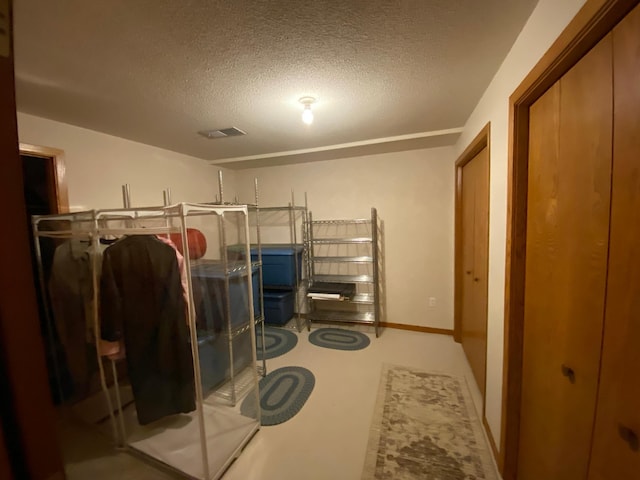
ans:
(566, 261)
(616, 449)
(5, 464)
(6, 472)
(475, 241)
(25, 401)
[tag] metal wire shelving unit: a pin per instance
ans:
(345, 252)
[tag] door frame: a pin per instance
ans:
(58, 170)
(593, 22)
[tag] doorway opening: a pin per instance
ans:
(45, 193)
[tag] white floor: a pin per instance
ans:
(327, 439)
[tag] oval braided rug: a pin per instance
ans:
(339, 339)
(277, 341)
(283, 393)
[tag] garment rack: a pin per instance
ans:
(90, 226)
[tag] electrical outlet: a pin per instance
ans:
(432, 301)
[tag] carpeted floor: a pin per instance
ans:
(425, 427)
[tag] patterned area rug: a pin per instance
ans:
(425, 427)
(283, 393)
(339, 339)
(277, 341)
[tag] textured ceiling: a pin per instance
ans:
(158, 71)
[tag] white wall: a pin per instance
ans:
(545, 24)
(99, 164)
(413, 192)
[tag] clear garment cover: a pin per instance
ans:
(149, 325)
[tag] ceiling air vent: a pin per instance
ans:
(222, 133)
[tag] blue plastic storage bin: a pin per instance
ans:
(278, 306)
(213, 351)
(279, 264)
(209, 296)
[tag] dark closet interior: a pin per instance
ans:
(39, 196)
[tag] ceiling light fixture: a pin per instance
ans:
(307, 114)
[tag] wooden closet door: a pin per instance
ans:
(26, 409)
(5, 464)
(566, 262)
(616, 449)
(475, 208)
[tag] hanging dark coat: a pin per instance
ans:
(142, 302)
